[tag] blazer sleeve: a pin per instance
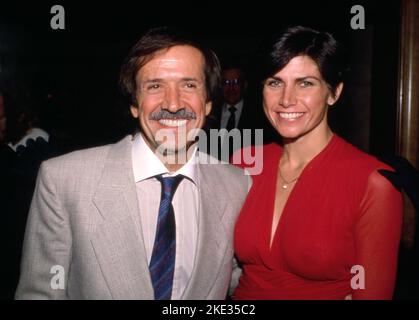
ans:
(237, 270)
(47, 244)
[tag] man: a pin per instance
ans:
(237, 113)
(230, 112)
(234, 87)
(100, 217)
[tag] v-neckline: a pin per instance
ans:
(274, 235)
(274, 176)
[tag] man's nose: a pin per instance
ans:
(173, 99)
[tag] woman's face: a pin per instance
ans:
(296, 99)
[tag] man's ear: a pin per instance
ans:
(134, 111)
(331, 100)
(208, 107)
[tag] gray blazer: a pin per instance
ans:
(84, 218)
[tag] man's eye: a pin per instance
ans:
(190, 85)
(153, 87)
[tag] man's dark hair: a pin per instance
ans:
(321, 47)
(162, 38)
(234, 63)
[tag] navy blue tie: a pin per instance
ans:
(162, 264)
(231, 124)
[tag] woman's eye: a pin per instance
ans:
(273, 83)
(306, 83)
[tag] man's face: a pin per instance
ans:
(171, 97)
(233, 85)
(2, 118)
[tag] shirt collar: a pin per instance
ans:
(146, 164)
(238, 106)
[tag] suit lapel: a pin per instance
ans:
(212, 241)
(118, 243)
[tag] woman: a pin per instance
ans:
(319, 222)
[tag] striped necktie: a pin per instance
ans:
(162, 263)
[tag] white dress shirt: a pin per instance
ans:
(225, 115)
(185, 204)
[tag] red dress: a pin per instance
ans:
(341, 213)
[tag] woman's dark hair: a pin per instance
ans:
(321, 47)
(164, 38)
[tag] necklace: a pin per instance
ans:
(286, 182)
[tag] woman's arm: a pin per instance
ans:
(377, 238)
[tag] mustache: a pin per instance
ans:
(181, 114)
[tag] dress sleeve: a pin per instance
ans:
(377, 238)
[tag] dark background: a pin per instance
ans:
(72, 74)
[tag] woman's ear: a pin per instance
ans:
(331, 100)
